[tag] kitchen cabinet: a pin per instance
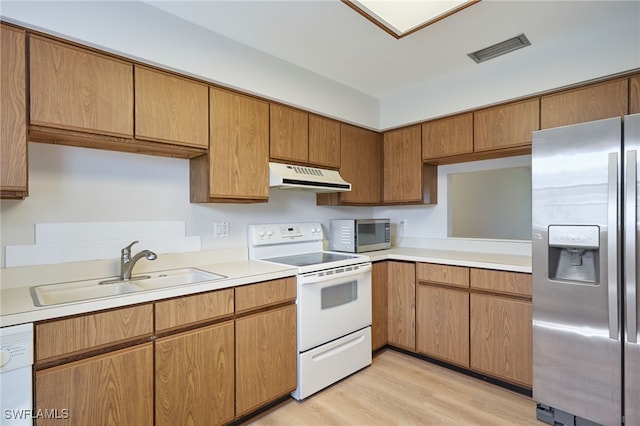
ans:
(194, 376)
(200, 308)
(402, 166)
(401, 296)
(505, 126)
(289, 134)
(501, 325)
(634, 94)
(171, 109)
(236, 168)
(442, 318)
(266, 343)
(360, 165)
(13, 113)
(587, 103)
(108, 389)
(324, 142)
(447, 137)
(77, 89)
(379, 290)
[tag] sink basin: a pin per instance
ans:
(76, 291)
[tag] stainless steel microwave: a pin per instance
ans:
(358, 235)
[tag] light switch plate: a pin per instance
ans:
(220, 229)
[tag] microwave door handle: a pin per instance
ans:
(630, 245)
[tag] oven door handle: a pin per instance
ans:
(314, 279)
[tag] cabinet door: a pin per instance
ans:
(324, 142)
(447, 136)
(360, 165)
(402, 171)
(77, 89)
(401, 321)
(289, 134)
(593, 102)
(171, 108)
(501, 334)
(266, 358)
(506, 126)
(634, 94)
(110, 389)
(442, 323)
(13, 113)
(195, 377)
(237, 167)
(379, 289)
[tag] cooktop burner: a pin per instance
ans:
(307, 259)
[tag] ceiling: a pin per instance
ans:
(330, 39)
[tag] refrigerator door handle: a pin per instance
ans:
(630, 260)
(612, 246)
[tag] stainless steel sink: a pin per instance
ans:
(76, 291)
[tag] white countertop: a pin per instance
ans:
(17, 307)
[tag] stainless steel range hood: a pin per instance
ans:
(289, 176)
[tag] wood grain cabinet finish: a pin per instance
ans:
(501, 338)
(324, 142)
(265, 294)
(110, 389)
(634, 94)
(447, 136)
(77, 89)
(402, 165)
(504, 282)
(194, 376)
(456, 276)
(188, 310)
(171, 109)
(72, 336)
(588, 103)
(13, 113)
(401, 296)
(266, 357)
(289, 134)
(379, 289)
(505, 126)
(236, 168)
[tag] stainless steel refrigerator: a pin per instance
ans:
(586, 348)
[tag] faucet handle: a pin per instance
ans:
(127, 249)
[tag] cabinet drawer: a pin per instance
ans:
(457, 276)
(75, 335)
(515, 283)
(265, 294)
(193, 309)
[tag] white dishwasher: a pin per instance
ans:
(16, 361)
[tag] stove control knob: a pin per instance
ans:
(269, 233)
(261, 234)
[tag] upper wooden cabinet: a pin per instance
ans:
(634, 94)
(236, 168)
(593, 102)
(13, 113)
(289, 134)
(447, 136)
(171, 109)
(77, 89)
(505, 126)
(324, 142)
(402, 170)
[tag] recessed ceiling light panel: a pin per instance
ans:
(501, 48)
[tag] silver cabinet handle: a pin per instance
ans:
(630, 259)
(612, 246)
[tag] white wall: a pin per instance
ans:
(69, 184)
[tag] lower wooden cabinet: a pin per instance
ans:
(111, 389)
(401, 321)
(266, 357)
(194, 373)
(379, 305)
(501, 338)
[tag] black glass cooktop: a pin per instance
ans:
(310, 258)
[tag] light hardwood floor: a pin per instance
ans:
(398, 389)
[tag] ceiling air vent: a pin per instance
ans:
(501, 48)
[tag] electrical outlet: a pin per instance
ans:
(403, 224)
(220, 229)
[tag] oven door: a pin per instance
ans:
(332, 304)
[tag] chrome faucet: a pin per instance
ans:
(127, 262)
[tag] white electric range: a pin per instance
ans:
(333, 302)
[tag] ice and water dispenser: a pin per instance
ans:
(574, 252)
